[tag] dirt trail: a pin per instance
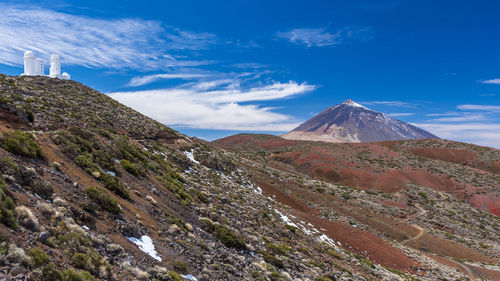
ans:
(467, 270)
(421, 232)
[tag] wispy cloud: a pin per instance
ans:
(479, 107)
(491, 81)
(464, 118)
(147, 79)
(390, 103)
(479, 124)
(398, 114)
(478, 133)
(226, 108)
(95, 43)
(322, 37)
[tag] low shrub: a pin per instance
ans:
(224, 234)
(100, 197)
(113, 184)
(174, 276)
(7, 206)
(21, 143)
(26, 218)
(39, 257)
(271, 259)
(129, 167)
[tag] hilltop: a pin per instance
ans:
(93, 190)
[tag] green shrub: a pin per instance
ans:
(173, 182)
(103, 200)
(40, 258)
(179, 266)
(129, 167)
(176, 220)
(113, 184)
(50, 273)
(271, 259)
(86, 161)
(81, 260)
(21, 143)
(7, 206)
(72, 275)
(278, 249)
(174, 276)
(224, 234)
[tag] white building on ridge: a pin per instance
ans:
(35, 66)
(55, 66)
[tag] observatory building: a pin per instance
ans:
(35, 66)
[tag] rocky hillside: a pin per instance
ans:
(92, 190)
(352, 122)
(438, 197)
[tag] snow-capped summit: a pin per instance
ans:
(352, 122)
(352, 103)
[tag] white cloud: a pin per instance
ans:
(143, 80)
(479, 107)
(463, 118)
(390, 103)
(317, 37)
(491, 81)
(216, 109)
(94, 43)
(397, 114)
(481, 128)
(321, 37)
(479, 133)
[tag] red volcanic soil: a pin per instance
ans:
(488, 201)
(385, 166)
(459, 156)
(9, 121)
(353, 239)
(393, 180)
(320, 163)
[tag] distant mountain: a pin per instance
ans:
(352, 122)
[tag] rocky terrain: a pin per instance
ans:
(352, 122)
(92, 190)
(437, 197)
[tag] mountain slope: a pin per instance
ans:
(92, 190)
(419, 193)
(86, 198)
(352, 122)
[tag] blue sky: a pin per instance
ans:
(215, 68)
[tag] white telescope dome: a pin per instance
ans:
(65, 76)
(29, 54)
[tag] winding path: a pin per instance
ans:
(421, 232)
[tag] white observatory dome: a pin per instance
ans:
(65, 76)
(29, 54)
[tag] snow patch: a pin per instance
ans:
(285, 219)
(354, 104)
(189, 277)
(146, 245)
(110, 173)
(190, 156)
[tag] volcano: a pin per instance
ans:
(353, 122)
